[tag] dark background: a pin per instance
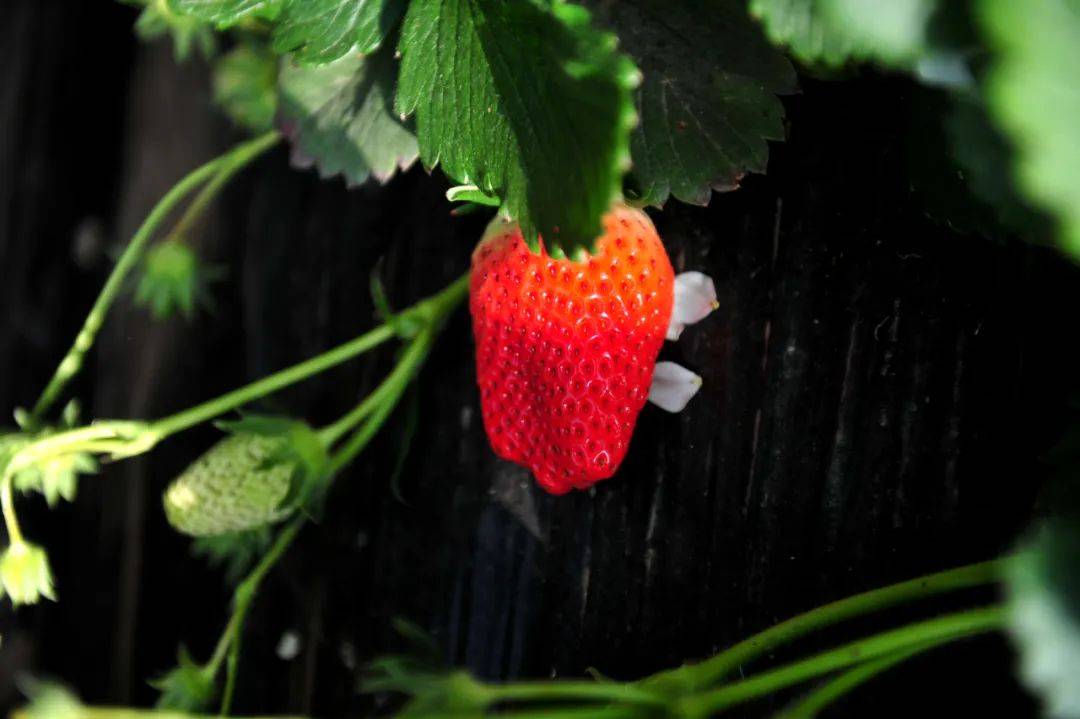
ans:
(878, 389)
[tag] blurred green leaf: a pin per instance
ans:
(1044, 589)
(49, 701)
(235, 552)
(833, 32)
(226, 13)
(960, 167)
(187, 687)
(245, 86)
(174, 280)
(526, 101)
(158, 19)
(705, 108)
(314, 31)
(340, 117)
(1033, 92)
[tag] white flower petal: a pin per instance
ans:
(673, 386)
(695, 298)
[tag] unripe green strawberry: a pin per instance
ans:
(265, 470)
(232, 487)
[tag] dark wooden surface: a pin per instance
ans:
(877, 391)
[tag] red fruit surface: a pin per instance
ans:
(565, 350)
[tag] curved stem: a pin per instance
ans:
(11, 520)
(380, 403)
(260, 388)
(940, 630)
(706, 673)
(231, 164)
(812, 704)
(72, 362)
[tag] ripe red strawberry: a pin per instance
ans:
(565, 350)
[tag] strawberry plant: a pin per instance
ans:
(567, 123)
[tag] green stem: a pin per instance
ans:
(574, 690)
(384, 399)
(942, 629)
(218, 406)
(231, 164)
(432, 311)
(232, 669)
(812, 704)
(72, 362)
(88, 712)
(11, 520)
(704, 674)
(245, 592)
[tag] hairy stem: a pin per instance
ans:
(934, 631)
(704, 674)
(72, 362)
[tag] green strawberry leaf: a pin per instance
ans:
(314, 31)
(245, 86)
(235, 552)
(526, 101)
(321, 31)
(705, 108)
(340, 117)
(188, 687)
(226, 13)
(832, 32)
(1033, 92)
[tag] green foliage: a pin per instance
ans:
(341, 117)
(187, 687)
(25, 576)
(258, 475)
(526, 101)
(226, 13)
(315, 31)
(158, 19)
(320, 31)
(1045, 607)
(49, 701)
(245, 86)
(56, 476)
(235, 553)
(833, 32)
(1033, 89)
(705, 107)
(960, 168)
(173, 280)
